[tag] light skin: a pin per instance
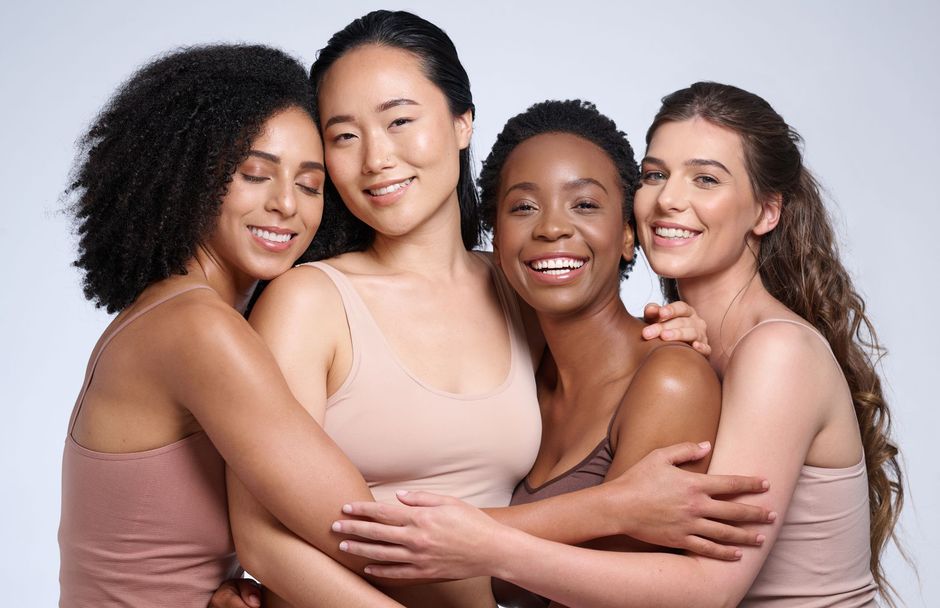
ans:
(148, 392)
(785, 401)
(392, 146)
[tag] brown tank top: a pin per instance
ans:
(402, 433)
(142, 529)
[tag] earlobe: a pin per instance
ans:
(463, 126)
(628, 243)
(769, 216)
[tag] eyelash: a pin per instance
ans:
(309, 190)
(254, 179)
(522, 206)
(586, 204)
(706, 180)
(400, 122)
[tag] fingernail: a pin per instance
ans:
(772, 516)
(737, 554)
(765, 484)
(336, 527)
(344, 546)
(647, 332)
(347, 508)
(254, 600)
(760, 539)
(367, 570)
(704, 444)
(401, 492)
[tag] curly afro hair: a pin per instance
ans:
(575, 117)
(154, 165)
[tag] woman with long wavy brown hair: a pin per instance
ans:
(729, 213)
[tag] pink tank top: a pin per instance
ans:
(143, 529)
(821, 557)
(403, 434)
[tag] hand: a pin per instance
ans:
(676, 508)
(433, 536)
(237, 593)
(676, 321)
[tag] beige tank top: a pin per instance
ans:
(403, 434)
(144, 529)
(821, 557)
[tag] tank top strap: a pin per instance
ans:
(358, 316)
(510, 305)
(804, 325)
(90, 372)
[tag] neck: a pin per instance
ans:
(235, 288)
(592, 346)
(730, 302)
(434, 248)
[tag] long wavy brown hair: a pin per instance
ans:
(799, 265)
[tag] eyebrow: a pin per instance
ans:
(571, 185)
(584, 181)
(692, 162)
(382, 107)
(307, 164)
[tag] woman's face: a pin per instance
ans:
(696, 210)
(392, 144)
(559, 232)
(274, 202)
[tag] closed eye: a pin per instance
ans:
(254, 179)
(309, 190)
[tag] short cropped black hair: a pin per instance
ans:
(155, 163)
(575, 117)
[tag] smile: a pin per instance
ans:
(392, 188)
(272, 237)
(556, 266)
(674, 233)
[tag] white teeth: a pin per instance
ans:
(674, 233)
(392, 188)
(270, 236)
(556, 265)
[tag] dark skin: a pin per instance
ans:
(563, 199)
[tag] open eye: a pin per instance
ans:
(586, 204)
(706, 180)
(522, 206)
(653, 176)
(400, 122)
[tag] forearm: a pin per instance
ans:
(306, 578)
(562, 518)
(586, 578)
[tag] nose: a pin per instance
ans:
(553, 224)
(283, 198)
(377, 153)
(672, 196)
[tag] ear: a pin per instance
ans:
(628, 243)
(463, 126)
(769, 215)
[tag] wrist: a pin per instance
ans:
(617, 506)
(510, 554)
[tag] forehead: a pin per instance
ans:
(288, 129)
(696, 138)
(372, 74)
(555, 158)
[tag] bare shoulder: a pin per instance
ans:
(304, 294)
(675, 367)
(779, 349)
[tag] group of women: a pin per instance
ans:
(405, 418)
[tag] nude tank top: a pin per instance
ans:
(822, 554)
(143, 529)
(404, 434)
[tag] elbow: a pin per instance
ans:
(248, 555)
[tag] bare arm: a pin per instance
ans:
(771, 414)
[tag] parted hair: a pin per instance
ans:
(341, 231)
(154, 165)
(798, 263)
(575, 117)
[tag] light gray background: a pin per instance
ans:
(859, 79)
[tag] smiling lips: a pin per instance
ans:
(272, 238)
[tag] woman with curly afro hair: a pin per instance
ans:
(202, 175)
